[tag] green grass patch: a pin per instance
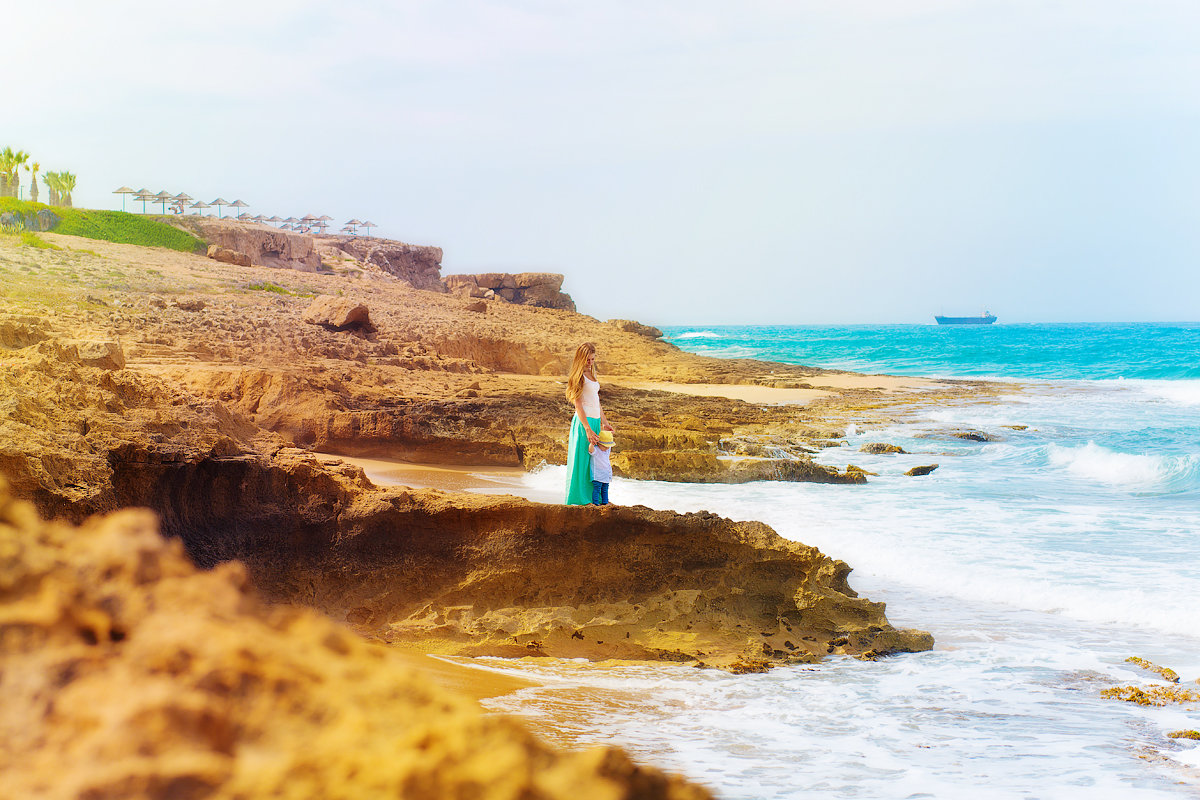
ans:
(111, 226)
(274, 288)
(31, 239)
(267, 286)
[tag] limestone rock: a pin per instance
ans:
(497, 280)
(636, 327)
(540, 289)
(91, 353)
(529, 280)
(227, 256)
(127, 672)
(339, 314)
(454, 283)
(974, 436)
(918, 471)
(102, 354)
(852, 469)
(881, 448)
(480, 307)
(418, 265)
(499, 573)
(702, 467)
(263, 244)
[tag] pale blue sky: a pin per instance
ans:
(680, 162)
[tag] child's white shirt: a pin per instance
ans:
(601, 466)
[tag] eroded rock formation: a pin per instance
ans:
(78, 439)
(482, 575)
(417, 265)
(264, 245)
(227, 256)
(539, 289)
(126, 672)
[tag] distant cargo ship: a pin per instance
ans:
(987, 319)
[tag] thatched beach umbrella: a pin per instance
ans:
(163, 197)
(145, 195)
(368, 226)
(218, 203)
(274, 220)
(291, 221)
(239, 205)
(124, 190)
(200, 204)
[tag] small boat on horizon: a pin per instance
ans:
(987, 318)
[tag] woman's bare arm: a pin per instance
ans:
(591, 435)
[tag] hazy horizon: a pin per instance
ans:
(778, 163)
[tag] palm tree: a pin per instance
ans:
(7, 159)
(68, 186)
(53, 186)
(33, 173)
(10, 171)
(14, 174)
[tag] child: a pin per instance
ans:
(601, 468)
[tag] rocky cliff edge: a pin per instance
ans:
(127, 672)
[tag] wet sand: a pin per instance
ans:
(481, 480)
(821, 386)
(458, 675)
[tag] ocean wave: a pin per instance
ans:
(697, 335)
(1128, 470)
(1184, 393)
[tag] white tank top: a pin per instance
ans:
(590, 397)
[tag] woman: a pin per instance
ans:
(584, 391)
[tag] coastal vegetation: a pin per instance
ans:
(31, 239)
(59, 184)
(11, 162)
(109, 226)
(274, 288)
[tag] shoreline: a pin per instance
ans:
(203, 392)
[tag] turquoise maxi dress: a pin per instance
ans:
(579, 462)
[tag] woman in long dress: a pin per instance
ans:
(583, 390)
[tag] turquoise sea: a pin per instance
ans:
(1040, 561)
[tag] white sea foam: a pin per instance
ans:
(1184, 393)
(697, 335)
(1133, 471)
(1039, 562)
(1101, 464)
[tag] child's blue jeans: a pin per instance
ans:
(599, 493)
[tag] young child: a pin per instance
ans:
(601, 468)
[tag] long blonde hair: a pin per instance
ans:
(578, 366)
